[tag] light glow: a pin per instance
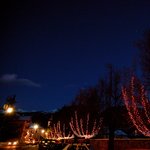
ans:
(9, 110)
(36, 126)
(42, 131)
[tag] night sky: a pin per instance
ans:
(51, 49)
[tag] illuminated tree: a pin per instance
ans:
(81, 129)
(138, 105)
(58, 132)
(25, 133)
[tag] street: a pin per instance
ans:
(19, 147)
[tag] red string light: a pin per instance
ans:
(133, 106)
(79, 131)
(57, 133)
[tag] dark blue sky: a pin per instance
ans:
(51, 49)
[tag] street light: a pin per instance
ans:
(42, 131)
(36, 126)
(9, 110)
(36, 134)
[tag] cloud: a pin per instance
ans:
(12, 79)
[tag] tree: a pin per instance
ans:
(138, 105)
(104, 98)
(10, 102)
(83, 129)
(87, 101)
(58, 131)
(110, 98)
(144, 47)
(63, 115)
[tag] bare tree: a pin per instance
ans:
(110, 98)
(144, 47)
(87, 100)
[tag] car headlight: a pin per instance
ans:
(9, 143)
(15, 143)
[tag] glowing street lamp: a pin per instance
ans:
(46, 134)
(9, 110)
(36, 126)
(42, 131)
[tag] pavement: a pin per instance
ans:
(4, 145)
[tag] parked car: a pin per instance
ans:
(47, 144)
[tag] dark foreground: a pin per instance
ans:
(95, 144)
(18, 147)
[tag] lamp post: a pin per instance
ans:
(36, 126)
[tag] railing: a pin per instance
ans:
(77, 146)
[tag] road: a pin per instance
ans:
(19, 147)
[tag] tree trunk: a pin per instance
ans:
(111, 138)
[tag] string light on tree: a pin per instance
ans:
(58, 132)
(78, 127)
(136, 103)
